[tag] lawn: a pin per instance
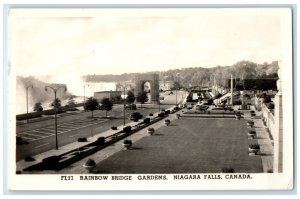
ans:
(188, 146)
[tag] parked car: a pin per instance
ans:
(130, 107)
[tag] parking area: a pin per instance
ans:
(48, 131)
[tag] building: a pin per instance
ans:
(106, 94)
(166, 85)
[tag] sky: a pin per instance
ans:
(67, 43)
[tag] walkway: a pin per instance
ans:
(264, 140)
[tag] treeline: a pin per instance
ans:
(201, 76)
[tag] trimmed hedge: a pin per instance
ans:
(147, 120)
(114, 128)
(82, 140)
(28, 116)
(51, 162)
(100, 140)
(127, 129)
(32, 115)
(52, 111)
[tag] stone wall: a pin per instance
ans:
(268, 117)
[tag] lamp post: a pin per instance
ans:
(158, 101)
(124, 87)
(176, 86)
(84, 93)
(27, 100)
(55, 108)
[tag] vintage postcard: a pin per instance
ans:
(150, 99)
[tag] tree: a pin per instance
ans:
(130, 97)
(176, 86)
(91, 104)
(71, 102)
(142, 97)
(116, 99)
(38, 107)
(56, 104)
(106, 104)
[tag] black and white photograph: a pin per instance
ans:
(150, 99)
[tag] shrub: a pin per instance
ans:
(161, 114)
(127, 129)
(135, 116)
(101, 140)
(218, 96)
(90, 162)
(19, 140)
(147, 120)
(51, 161)
(252, 132)
(254, 146)
(167, 112)
(82, 140)
(238, 102)
(127, 142)
(29, 159)
(167, 122)
(151, 114)
(150, 129)
(114, 128)
(270, 105)
(73, 109)
(227, 170)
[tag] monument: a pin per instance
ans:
(148, 83)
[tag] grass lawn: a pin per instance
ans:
(188, 146)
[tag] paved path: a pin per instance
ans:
(264, 140)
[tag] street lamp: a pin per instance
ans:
(84, 92)
(27, 100)
(55, 108)
(176, 86)
(124, 87)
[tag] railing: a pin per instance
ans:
(268, 118)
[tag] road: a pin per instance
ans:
(41, 134)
